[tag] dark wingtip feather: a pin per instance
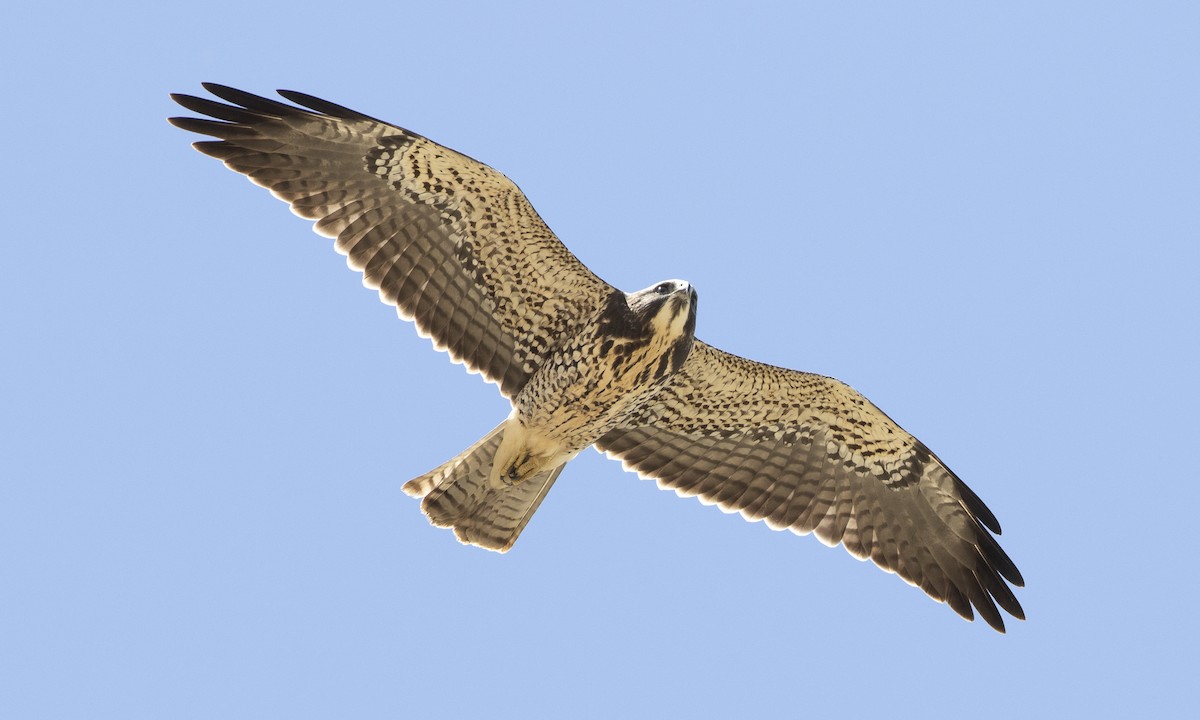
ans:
(984, 605)
(217, 110)
(215, 128)
(958, 603)
(977, 506)
(993, 618)
(218, 149)
(251, 101)
(324, 106)
(993, 592)
(201, 126)
(1004, 596)
(998, 559)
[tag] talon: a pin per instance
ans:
(512, 476)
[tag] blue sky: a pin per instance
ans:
(983, 218)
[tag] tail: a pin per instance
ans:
(458, 495)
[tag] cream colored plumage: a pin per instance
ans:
(458, 249)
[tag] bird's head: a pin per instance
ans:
(668, 308)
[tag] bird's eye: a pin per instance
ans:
(663, 288)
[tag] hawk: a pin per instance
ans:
(457, 248)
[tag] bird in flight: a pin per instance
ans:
(457, 248)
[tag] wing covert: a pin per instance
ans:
(452, 243)
(810, 454)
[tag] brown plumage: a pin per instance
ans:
(457, 248)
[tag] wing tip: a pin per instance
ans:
(980, 597)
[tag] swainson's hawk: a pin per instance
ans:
(458, 249)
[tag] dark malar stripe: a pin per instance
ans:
(661, 370)
(680, 351)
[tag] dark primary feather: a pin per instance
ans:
(453, 244)
(324, 106)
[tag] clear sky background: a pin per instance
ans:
(981, 215)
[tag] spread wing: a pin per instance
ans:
(450, 242)
(810, 454)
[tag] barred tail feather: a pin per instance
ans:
(470, 462)
(457, 495)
